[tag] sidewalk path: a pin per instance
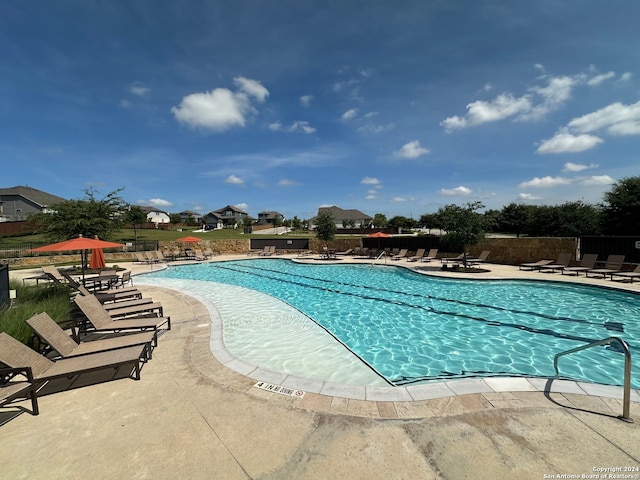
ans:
(191, 417)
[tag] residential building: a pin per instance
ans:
(269, 217)
(17, 203)
(229, 216)
(189, 215)
(341, 216)
(155, 215)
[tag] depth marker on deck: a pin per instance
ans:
(269, 387)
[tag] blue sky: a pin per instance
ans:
(397, 107)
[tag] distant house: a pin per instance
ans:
(341, 216)
(192, 216)
(17, 203)
(269, 217)
(155, 215)
(228, 216)
(213, 221)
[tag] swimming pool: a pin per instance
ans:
(410, 328)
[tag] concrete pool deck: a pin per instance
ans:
(191, 416)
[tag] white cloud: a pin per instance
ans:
(577, 167)
(616, 119)
(597, 180)
(503, 106)
(350, 114)
(296, 126)
(461, 190)
(155, 202)
(371, 196)
(532, 106)
(234, 180)
(252, 88)
(125, 104)
(528, 196)
(625, 77)
(306, 100)
(554, 94)
(412, 150)
(242, 206)
(221, 109)
(454, 123)
(139, 90)
(373, 128)
(544, 182)
(287, 183)
(370, 181)
(598, 79)
(401, 199)
(301, 125)
(566, 142)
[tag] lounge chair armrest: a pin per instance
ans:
(6, 374)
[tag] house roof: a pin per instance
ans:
(230, 207)
(43, 199)
(270, 213)
(190, 212)
(148, 210)
(341, 214)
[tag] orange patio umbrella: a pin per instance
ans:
(97, 260)
(189, 239)
(380, 235)
(79, 243)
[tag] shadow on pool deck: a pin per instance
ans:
(191, 417)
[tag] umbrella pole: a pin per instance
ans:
(83, 257)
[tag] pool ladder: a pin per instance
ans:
(627, 369)
(382, 254)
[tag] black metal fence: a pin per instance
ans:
(410, 243)
(280, 243)
(605, 246)
(19, 250)
(4, 284)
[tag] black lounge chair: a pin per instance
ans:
(588, 262)
(535, 265)
(16, 355)
(630, 275)
(612, 266)
(561, 263)
(52, 334)
(17, 384)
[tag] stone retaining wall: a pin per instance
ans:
(507, 251)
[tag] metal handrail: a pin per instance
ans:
(382, 254)
(627, 368)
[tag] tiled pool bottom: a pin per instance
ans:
(250, 329)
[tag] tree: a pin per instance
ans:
(621, 208)
(578, 219)
(137, 218)
(175, 218)
(430, 221)
(514, 218)
(464, 225)
(325, 227)
(402, 222)
(296, 223)
(277, 222)
(380, 220)
(87, 217)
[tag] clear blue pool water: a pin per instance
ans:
(412, 328)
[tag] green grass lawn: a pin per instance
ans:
(129, 235)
